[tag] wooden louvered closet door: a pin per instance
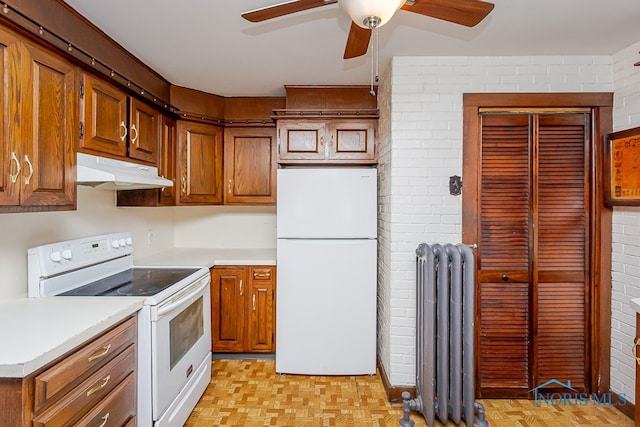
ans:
(532, 257)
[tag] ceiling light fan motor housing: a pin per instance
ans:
(371, 13)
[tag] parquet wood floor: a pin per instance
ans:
(250, 393)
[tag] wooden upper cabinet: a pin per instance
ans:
(109, 130)
(250, 165)
(200, 174)
(167, 159)
(40, 128)
(331, 141)
(144, 128)
(104, 117)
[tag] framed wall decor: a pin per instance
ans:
(622, 168)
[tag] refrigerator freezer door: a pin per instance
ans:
(326, 307)
(327, 203)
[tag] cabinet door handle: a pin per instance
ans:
(184, 185)
(100, 353)
(634, 350)
(254, 302)
(134, 137)
(123, 135)
(321, 141)
(229, 186)
(28, 177)
(241, 288)
(104, 420)
(103, 384)
(14, 177)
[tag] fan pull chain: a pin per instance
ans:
(375, 77)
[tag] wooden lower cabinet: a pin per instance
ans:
(243, 309)
(93, 385)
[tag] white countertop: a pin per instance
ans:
(635, 304)
(210, 257)
(34, 332)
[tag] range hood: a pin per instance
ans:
(110, 174)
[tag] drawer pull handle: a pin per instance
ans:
(260, 275)
(104, 420)
(634, 351)
(99, 354)
(102, 385)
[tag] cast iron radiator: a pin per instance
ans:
(445, 384)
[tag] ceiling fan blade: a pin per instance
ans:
(282, 9)
(357, 42)
(463, 12)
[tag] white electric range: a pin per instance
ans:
(174, 325)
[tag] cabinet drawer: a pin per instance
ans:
(93, 355)
(259, 273)
(89, 392)
(116, 409)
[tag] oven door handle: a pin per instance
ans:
(179, 299)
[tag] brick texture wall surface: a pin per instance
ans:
(421, 147)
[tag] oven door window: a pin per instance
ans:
(185, 330)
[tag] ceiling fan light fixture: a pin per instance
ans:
(371, 13)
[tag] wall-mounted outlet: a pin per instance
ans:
(150, 237)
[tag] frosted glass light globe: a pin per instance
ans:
(360, 10)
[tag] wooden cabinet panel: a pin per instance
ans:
(326, 141)
(352, 140)
(109, 130)
(250, 166)
(81, 388)
(228, 287)
(10, 137)
(301, 140)
(104, 117)
(144, 123)
(49, 149)
(167, 159)
(262, 310)
(200, 163)
(243, 309)
(52, 381)
(89, 392)
(118, 408)
(40, 128)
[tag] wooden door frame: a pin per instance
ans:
(601, 105)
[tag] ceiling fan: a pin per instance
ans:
(369, 14)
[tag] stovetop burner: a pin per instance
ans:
(137, 281)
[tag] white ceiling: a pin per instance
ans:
(206, 45)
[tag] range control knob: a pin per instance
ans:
(129, 241)
(122, 241)
(55, 256)
(115, 244)
(66, 254)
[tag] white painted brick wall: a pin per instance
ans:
(625, 269)
(422, 146)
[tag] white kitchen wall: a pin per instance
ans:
(626, 233)
(96, 214)
(225, 227)
(422, 147)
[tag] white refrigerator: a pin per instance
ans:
(327, 268)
